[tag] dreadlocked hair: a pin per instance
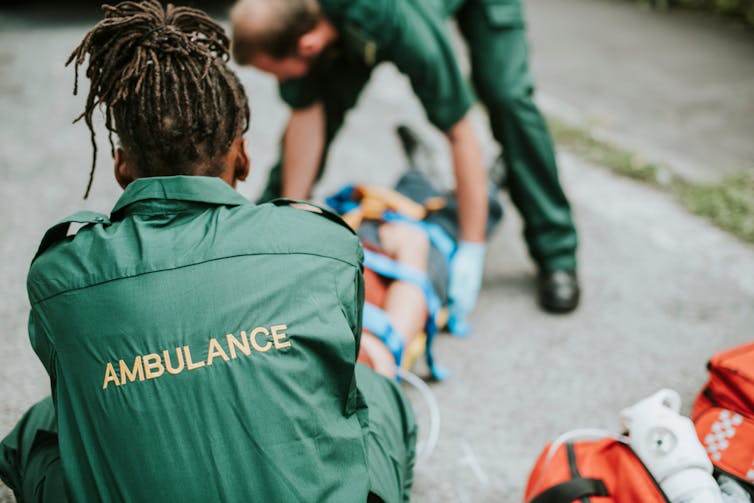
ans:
(168, 94)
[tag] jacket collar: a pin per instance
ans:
(201, 189)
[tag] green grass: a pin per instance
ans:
(729, 203)
(580, 142)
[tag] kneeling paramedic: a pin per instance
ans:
(199, 347)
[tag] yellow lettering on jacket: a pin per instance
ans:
(179, 356)
(131, 374)
(253, 339)
(189, 363)
(110, 376)
(175, 360)
(278, 335)
(233, 344)
(153, 367)
(215, 350)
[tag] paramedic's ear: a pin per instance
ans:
(123, 173)
(241, 163)
(312, 43)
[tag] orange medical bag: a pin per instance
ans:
(731, 382)
(599, 471)
(723, 414)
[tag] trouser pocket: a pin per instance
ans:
(503, 13)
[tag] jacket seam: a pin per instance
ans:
(45, 299)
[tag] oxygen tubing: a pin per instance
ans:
(425, 448)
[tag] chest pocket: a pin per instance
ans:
(504, 13)
(360, 45)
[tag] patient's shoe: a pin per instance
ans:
(419, 155)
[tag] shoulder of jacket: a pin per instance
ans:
(59, 231)
(314, 209)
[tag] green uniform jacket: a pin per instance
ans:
(201, 348)
(409, 33)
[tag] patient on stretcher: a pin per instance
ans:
(409, 236)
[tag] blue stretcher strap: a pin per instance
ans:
(377, 321)
(385, 266)
(436, 234)
(389, 268)
(341, 202)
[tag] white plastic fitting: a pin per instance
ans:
(667, 444)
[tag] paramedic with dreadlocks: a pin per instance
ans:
(199, 347)
(323, 53)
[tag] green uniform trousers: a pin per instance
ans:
(503, 82)
(391, 436)
(30, 458)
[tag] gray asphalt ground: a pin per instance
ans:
(663, 290)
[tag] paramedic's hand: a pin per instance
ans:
(465, 282)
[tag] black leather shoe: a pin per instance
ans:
(559, 291)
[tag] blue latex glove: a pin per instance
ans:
(465, 281)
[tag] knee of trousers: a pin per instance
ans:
(501, 94)
(507, 102)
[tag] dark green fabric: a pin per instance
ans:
(410, 34)
(390, 437)
(30, 458)
(185, 267)
(30, 462)
(494, 30)
(500, 72)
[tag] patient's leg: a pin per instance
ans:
(405, 303)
